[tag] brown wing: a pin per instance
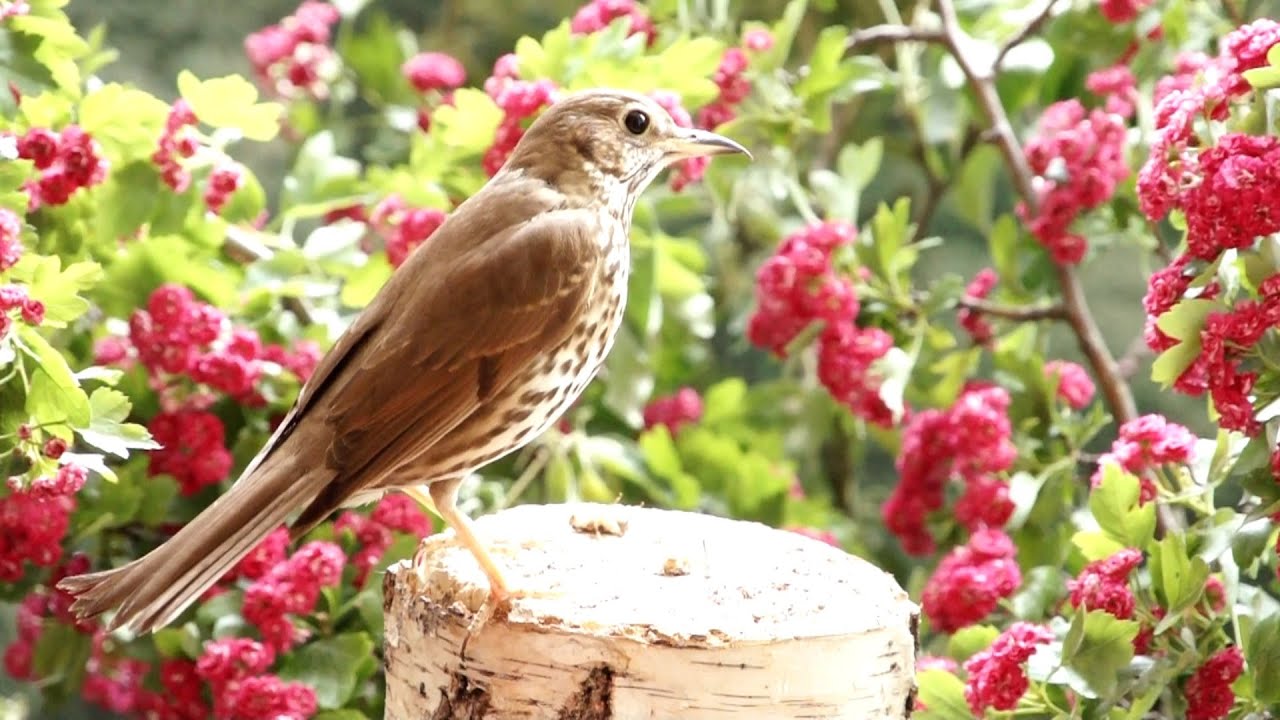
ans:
(460, 336)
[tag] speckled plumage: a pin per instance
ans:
(475, 346)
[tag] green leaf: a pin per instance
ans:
(1186, 318)
(942, 695)
(363, 284)
(969, 641)
(1177, 578)
(342, 714)
(107, 430)
(127, 121)
(330, 666)
(61, 654)
(1095, 545)
(161, 491)
(231, 102)
(1042, 587)
(57, 288)
(55, 396)
(660, 454)
(469, 124)
(1263, 656)
(1105, 648)
(1114, 505)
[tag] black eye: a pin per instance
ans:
(637, 121)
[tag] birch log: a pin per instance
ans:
(640, 613)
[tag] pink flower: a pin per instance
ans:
(429, 71)
(1208, 691)
(1075, 388)
(1104, 584)
(681, 408)
(971, 580)
(996, 678)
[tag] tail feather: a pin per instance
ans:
(151, 591)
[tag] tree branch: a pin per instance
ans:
(1033, 26)
(981, 80)
(892, 33)
(1023, 313)
(238, 246)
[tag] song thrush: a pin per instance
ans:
(475, 346)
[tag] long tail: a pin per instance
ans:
(151, 591)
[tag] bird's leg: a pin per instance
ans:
(444, 494)
(421, 497)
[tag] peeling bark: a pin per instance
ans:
(627, 613)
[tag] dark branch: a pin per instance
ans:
(1032, 27)
(892, 33)
(1023, 313)
(981, 80)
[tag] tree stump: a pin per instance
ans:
(627, 612)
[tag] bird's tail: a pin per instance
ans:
(151, 591)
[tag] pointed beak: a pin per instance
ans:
(697, 143)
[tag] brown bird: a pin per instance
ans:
(475, 346)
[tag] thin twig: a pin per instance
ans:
(892, 33)
(1020, 313)
(1129, 363)
(981, 80)
(238, 247)
(1032, 27)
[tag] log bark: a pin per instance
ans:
(628, 612)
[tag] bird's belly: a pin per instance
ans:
(531, 404)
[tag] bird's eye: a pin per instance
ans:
(637, 121)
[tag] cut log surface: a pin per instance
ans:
(625, 612)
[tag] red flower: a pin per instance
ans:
(434, 71)
(1208, 691)
(996, 678)
(971, 580)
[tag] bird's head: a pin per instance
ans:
(610, 142)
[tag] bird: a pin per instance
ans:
(476, 345)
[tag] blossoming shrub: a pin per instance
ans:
(788, 355)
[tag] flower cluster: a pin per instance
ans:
(403, 228)
(596, 15)
(292, 58)
(1078, 159)
(236, 670)
(10, 239)
(970, 441)
(436, 75)
(1173, 176)
(395, 512)
(1208, 690)
(1118, 86)
(177, 335)
(1145, 443)
(734, 86)
(1104, 584)
(14, 300)
(1122, 11)
(689, 170)
(799, 285)
(224, 180)
(13, 8)
(289, 588)
(996, 678)
(972, 321)
(1075, 387)
(177, 143)
(193, 449)
(68, 161)
(519, 100)
(32, 526)
(971, 580)
(680, 408)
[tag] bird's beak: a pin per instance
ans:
(696, 143)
